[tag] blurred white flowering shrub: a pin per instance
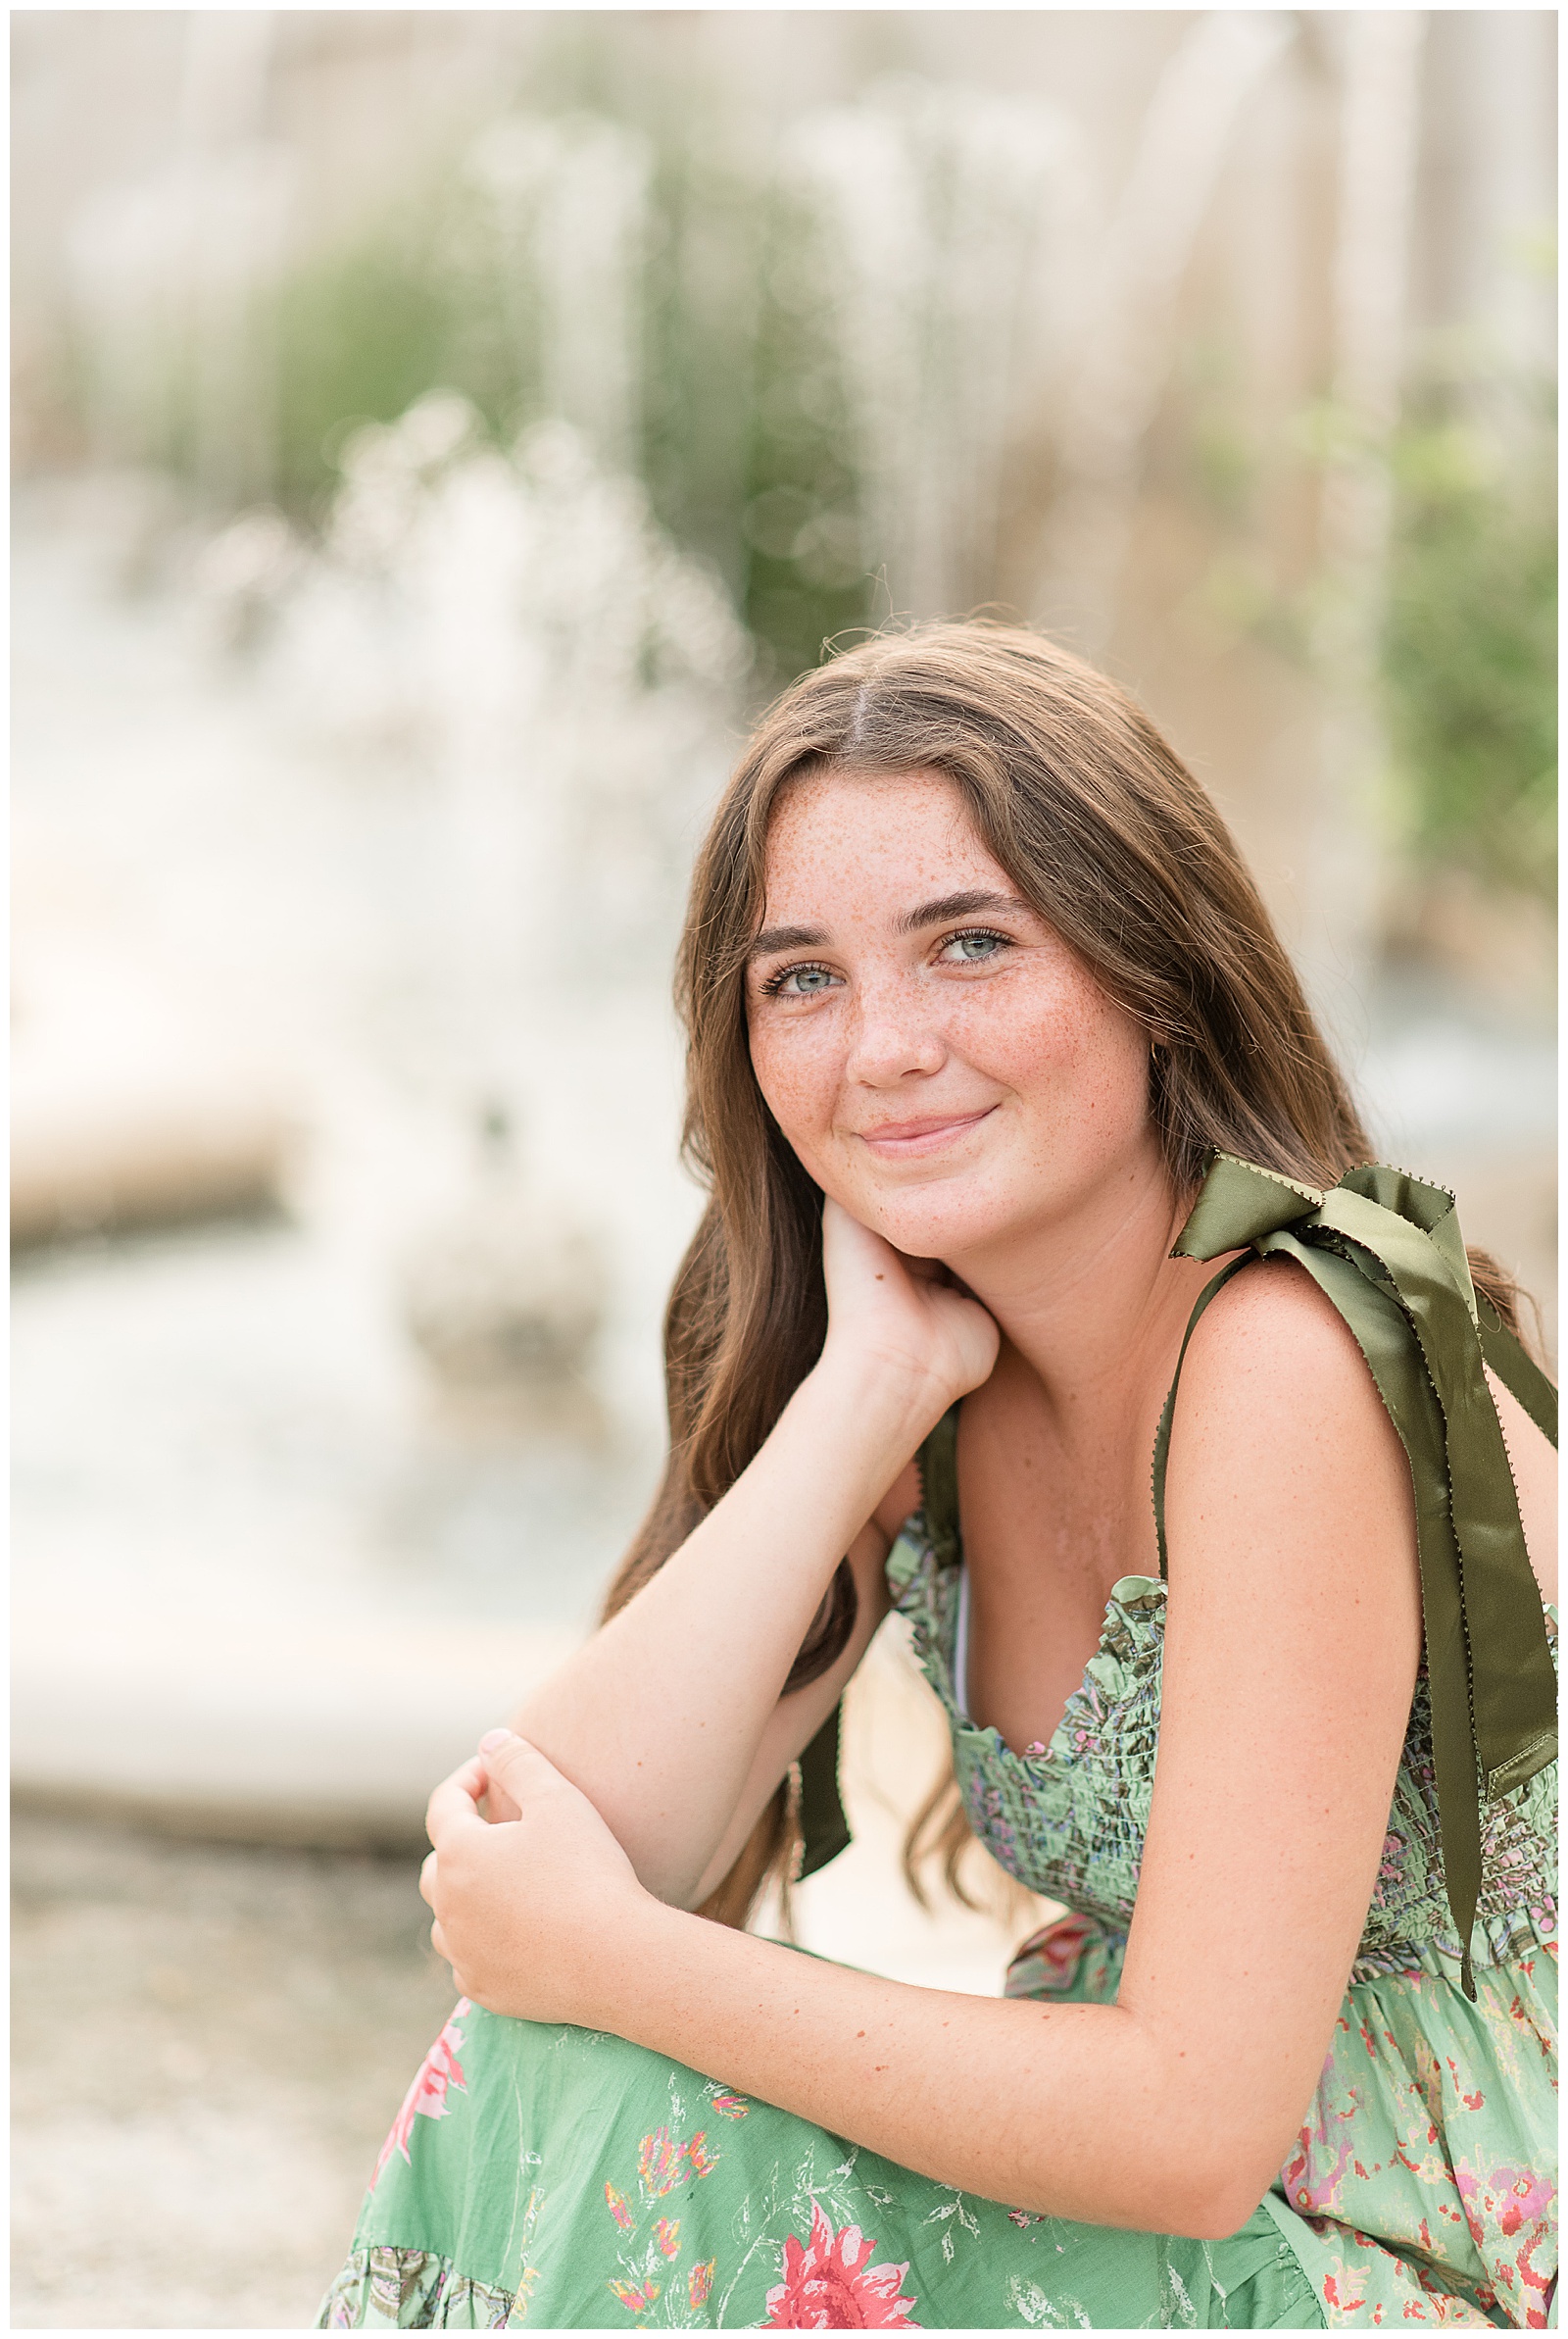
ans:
(516, 624)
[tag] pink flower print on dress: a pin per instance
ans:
(429, 2094)
(828, 2286)
(659, 2160)
(1331, 2291)
(1527, 2197)
(733, 2107)
(1325, 2146)
(1542, 2235)
(666, 2233)
(1506, 2200)
(638, 2296)
(700, 2281)
(662, 2164)
(616, 2201)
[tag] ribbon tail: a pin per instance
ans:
(1514, 1685)
(1382, 1332)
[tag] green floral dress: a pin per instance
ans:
(569, 2180)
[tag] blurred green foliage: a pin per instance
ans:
(805, 580)
(358, 333)
(1470, 643)
(744, 438)
(1467, 657)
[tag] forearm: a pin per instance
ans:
(1073, 2112)
(658, 1718)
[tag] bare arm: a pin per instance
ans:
(1293, 1641)
(796, 1719)
(671, 1719)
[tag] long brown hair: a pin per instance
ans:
(1107, 834)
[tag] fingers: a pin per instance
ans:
(443, 1950)
(506, 1769)
(456, 1802)
(510, 1765)
(843, 1230)
(845, 1233)
(427, 1880)
(499, 1806)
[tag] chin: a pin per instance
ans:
(932, 1224)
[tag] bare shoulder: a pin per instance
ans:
(1274, 1370)
(1285, 1470)
(1270, 1340)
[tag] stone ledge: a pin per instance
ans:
(317, 1731)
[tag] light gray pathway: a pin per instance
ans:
(209, 2045)
(210, 2041)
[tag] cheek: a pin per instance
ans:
(799, 1082)
(1064, 1051)
(1030, 1036)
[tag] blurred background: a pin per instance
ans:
(436, 434)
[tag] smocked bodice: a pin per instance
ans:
(1070, 1822)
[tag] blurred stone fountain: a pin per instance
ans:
(331, 1494)
(452, 755)
(512, 623)
(505, 1301)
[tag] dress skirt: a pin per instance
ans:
(562, 2179)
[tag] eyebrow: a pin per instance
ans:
(957, 905)
(788, 937)
(911, 921)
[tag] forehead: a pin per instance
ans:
(837, 827)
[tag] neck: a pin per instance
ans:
(1090, 1303)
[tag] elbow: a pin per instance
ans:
(1212, 2158)
(1186, 2158)
(1211, 2196)
(1216, 2213)
(1196, 2197)
(1191, 2206)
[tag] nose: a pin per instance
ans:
(893, 1038)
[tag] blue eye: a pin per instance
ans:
(975, 947)
(800, 982)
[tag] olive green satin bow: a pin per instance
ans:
(1386, 1250)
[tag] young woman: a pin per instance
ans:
(994, 1056)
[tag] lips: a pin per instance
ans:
(896, 1139)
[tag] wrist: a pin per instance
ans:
(639, 1939)
(610, 1944)
(882, 1399)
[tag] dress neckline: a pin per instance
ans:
(916, 1532)
(937, 1519)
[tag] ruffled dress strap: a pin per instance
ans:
(1386, 1250)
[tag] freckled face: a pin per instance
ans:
(943, 1064)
